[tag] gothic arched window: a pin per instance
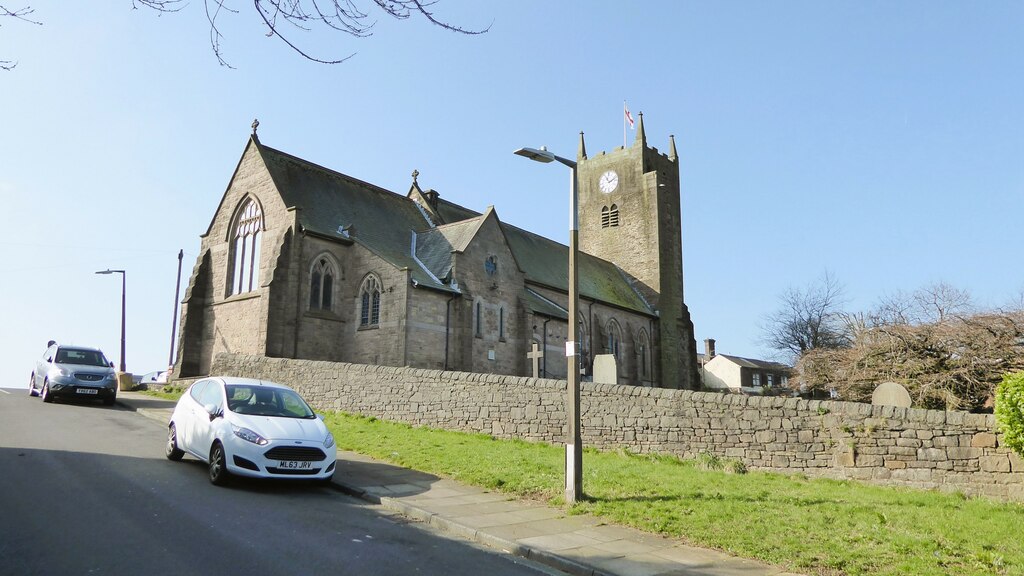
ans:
(369, 295)
(643, 355)
(586, 360)
(604, 217)
(614, 339)
(245, 248)
(321, 285)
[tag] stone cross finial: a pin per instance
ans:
(415, 175)
(535, 355)
(255, 125)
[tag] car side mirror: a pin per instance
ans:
(213, 410)
(320, 416)
(111, 364)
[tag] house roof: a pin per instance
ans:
(752, 363)
(334, 205)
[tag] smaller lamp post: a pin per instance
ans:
(123, 275)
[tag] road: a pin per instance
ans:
(85, 489)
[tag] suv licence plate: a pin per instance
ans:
(294, 464)
(86, 391)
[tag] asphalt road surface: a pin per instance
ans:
(85, 489)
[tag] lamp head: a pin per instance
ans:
(541, 155)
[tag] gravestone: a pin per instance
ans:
(605, 369)
(891, 394)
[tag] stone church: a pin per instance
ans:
(300, 261)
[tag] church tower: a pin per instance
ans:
(629, 214)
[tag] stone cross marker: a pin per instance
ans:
(535, 354)
(891, 394)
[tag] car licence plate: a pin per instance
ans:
(294, 465)
(87, 391)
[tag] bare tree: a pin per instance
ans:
(808, 319)
(283, 18)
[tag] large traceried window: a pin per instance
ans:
(369, 295)
(321, 285)
(248, 236)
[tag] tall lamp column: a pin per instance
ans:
(573, 437)
(123, 285)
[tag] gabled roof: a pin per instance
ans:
(336, 206)
(435, 247)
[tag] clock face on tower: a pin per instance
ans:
(609, 182)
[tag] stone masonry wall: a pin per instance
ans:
(948, 451)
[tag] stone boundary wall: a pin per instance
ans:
(948, 451)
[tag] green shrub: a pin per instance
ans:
(1009, 410)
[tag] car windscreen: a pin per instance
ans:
(264, 401)
(79, 356)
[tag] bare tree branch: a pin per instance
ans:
(18, 14)
(345, 16)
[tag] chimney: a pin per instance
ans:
(432, 196)
(709, 349)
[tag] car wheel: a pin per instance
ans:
(45, 393)
(32, 386)
(172, 451)
(218, 465)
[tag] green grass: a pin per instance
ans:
(809, 526)
(166, 392)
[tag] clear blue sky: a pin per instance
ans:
(883, 141)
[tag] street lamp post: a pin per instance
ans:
(123, 275)
(174, 317)
(573, 440)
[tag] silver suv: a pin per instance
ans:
(74, 372)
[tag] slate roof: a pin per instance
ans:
(759, 364)
(434, 247)
(334, 205)
(330, 202)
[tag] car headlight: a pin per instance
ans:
(329, 441)
(110, 377)
(249, 435)
(61, 371)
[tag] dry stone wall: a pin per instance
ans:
(949, 451)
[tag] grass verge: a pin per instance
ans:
(810, 526)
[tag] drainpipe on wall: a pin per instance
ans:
(544, 363)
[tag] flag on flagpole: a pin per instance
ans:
(629, 117)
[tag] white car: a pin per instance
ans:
(251, 428)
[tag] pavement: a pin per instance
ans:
(580, 545)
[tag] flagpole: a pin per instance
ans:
(624, 123)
